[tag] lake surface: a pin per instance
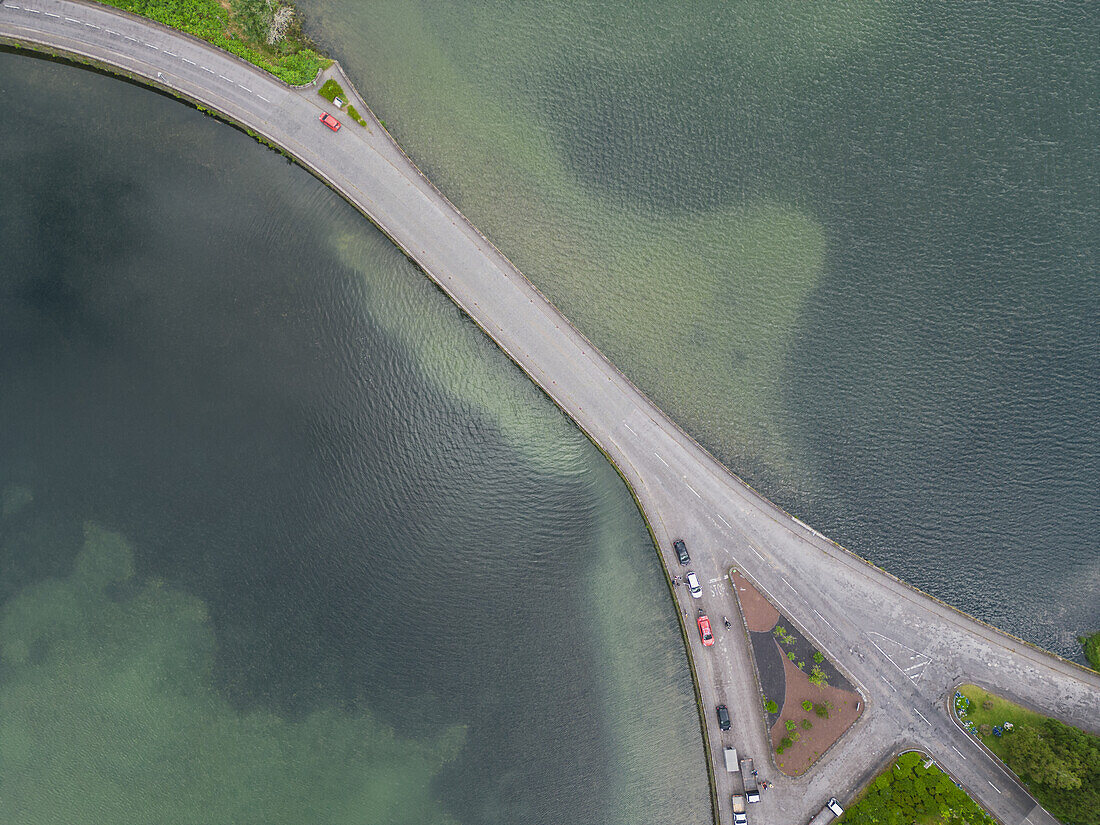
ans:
(283, 536)
(851, 248)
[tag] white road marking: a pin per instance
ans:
(264, 99)
(921, 715)
(226, 79)
(90, 25)
(154, 48)
(245, 88)
(725, 522)
(914, 667)
(630, 428)
(206, 69)
(960, 753)
(112, 31)
(72, 20)
(788, 584)
(51, 14)
(887, 683)
(185, 60)
(13, 6)
(827, 622)
(994, 787)
(170, 54)
(131, 39)
(33, 11)
(694, 491)
(757, 552)
(662, 460)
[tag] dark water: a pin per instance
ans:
(852, 248)
(284, 539)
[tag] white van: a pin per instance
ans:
(693, 585)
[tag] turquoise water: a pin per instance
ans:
(850, 247)
(284, 538)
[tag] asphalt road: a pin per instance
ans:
(903, 650)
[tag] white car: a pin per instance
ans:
(693, 585)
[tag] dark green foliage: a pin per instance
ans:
(1061, 766)
(817, 677)
(771, 707)
(792, 656)
(786, 742)
(818, 657)
(909, 792)
(807, 705)
(1092, 649)
(822, 710)
(806, 724)
(242, 33)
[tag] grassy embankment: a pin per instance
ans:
(330, 90)
(907, 792)
(241, 27)
(1091, 644)
(1059, 764)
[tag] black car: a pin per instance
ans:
(723, 717)
(681, 551)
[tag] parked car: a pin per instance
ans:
(681, 551)
(704, 631)
(330, 121)
(693, 585)
(723, 717)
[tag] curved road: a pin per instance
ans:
(903, 649)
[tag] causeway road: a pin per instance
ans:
(904, 650)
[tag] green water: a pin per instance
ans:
(850, 247)
(284, 537)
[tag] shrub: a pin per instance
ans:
(771, 707)
(801, 665)
(822, 710)
(818, 657)
(779, 750)
(807, 705)
(817, 677)
(786, 742)
(353, 113)
(791, 656)
(790, 725)
(331, 90)
(806, 724)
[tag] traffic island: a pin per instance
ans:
(808, 703)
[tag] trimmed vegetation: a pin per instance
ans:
(263, 32)
(1091, 644)
(1059, 764)
(908, 792)
(330, 90)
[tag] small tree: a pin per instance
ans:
(790, 725)
(822, 710)
(806, 724)
(818, 657)
(817, 677)
(807, 705)
(792, 656)
(771, 707)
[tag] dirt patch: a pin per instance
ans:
(759, 614)
(844, 706)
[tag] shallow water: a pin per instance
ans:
(283, 535)
(850, 248)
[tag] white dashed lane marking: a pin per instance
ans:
(631, 429)
(921, 715)
(694, 491)
(264, 99)
(661, 460)
(725, 522)
(51, 14)
(112, 31)
(887, 683)
(994, 787)
(960, 753)
(185, 60)
(206, 69)
(170, 54)
(245, 88)
(226, 79)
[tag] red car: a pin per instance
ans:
(704, 631)
(330, 121)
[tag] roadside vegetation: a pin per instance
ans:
(1091, 644)
(330, 90)
(908, 792)
(266, 33)
(1059, 764)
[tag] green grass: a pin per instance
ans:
(907, 792)
(331, 90)
(239, 32)
(1091, 644)
(354, 115)
(1059, 764)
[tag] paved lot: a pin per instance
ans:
(862, 618)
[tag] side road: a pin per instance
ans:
(903, 648)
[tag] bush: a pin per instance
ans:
(818, 657)
(817, 677)
(822, 710)
(331, 90)
(786, 742)
(807, 705)
(353, 113)
(790, 725)
(792, 656)
(771, 707)
(1092, 649)
(806, 724)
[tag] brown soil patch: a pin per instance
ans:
(796, 759)
(759, 614)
